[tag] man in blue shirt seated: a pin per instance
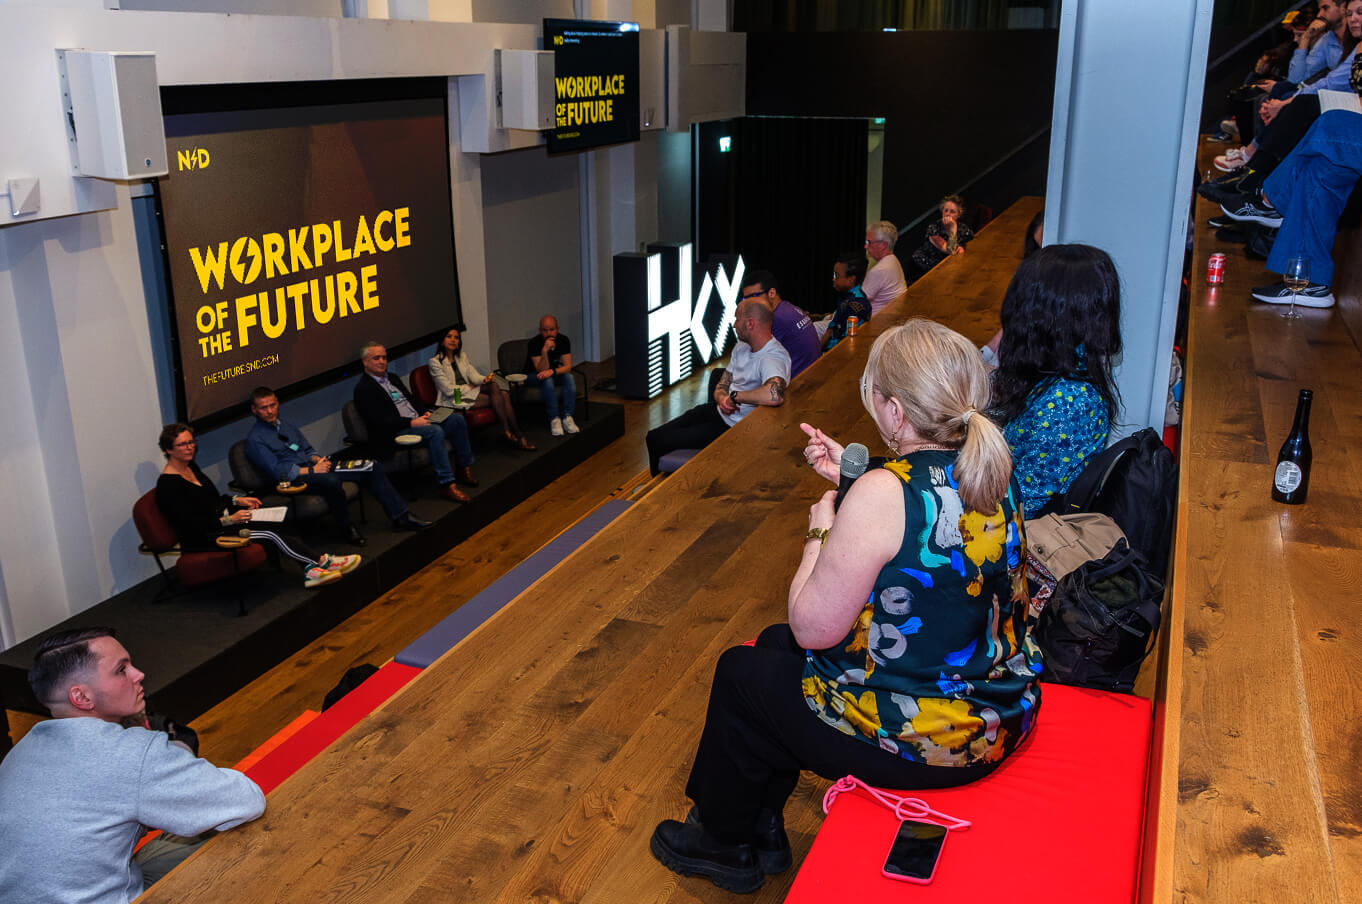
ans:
(279, 449)
(847, 274)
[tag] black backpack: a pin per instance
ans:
(1100, 622)
(1135, 482)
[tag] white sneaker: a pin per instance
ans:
(317, 576)
(1232, 159)
(343, 564)
(570, 425)
(556, 427)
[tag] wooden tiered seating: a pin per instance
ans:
(532, 761)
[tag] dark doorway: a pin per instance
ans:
(788, 194)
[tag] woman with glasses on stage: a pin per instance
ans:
(200, 515)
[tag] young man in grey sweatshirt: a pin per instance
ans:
(81, 782)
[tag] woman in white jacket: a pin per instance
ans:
(451, 369)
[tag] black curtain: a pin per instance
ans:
(798, 200)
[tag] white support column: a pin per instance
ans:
(1122, 161)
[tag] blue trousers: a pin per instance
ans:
(1310, 189)
(455, 429)
(549, 390)
(328, 486)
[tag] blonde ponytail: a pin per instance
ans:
(984, 465)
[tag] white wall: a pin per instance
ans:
(530, 218)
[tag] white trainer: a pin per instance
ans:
(556, 427)
(570, 425)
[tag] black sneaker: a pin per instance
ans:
(1312, 296)
(1259, 244)
(687, 849)
(1220, 193)
(771, 844)
(1253, 209)
(1221, 222)
(1232, 234)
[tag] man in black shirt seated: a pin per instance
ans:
(389, 410)
(550, 368)
(280, 450)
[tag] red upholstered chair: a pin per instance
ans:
(423, 387)
(1062, 818)
(194, 568)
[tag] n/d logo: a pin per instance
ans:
(193, 159)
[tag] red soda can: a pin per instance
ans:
(1215, 270)
(854, 323)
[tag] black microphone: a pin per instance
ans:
(855, 458)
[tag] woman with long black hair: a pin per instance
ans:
(1053, 391)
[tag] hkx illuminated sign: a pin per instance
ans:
(659, 329)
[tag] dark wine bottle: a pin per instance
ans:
(1291, 480)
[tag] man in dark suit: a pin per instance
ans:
(279, 449)
(389, 410)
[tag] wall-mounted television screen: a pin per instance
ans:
(595, 81)
(296, 234)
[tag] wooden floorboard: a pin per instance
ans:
(533, 760)
(1269, 800)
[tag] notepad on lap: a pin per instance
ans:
(269, 513)
(1339, 100)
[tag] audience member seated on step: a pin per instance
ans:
(550, 362)
(201, 515)
(280, 449)
(80, 789)
(1309, 191)
(1053, 390)
(1292, 118)
(847, 274)
(757, 375)
(1244, 98)
(1294, 103)
(790, 324)
(884, 284)
(946, 237)
(461, 385)
(1319, 46)
(930, 545)
(389, 410)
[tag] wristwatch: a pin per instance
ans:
(818, 533)
(733, 397)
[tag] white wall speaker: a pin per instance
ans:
(525, 95)
(113, 107)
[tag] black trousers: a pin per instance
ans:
(695, 429)
(1279, 138)
(759, 733)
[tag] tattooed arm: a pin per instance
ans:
(771, 394)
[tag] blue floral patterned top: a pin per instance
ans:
(939, 667)
(1064, 424)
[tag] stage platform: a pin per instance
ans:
(195, 649)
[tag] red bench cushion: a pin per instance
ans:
(317, 735)
(1062, 818)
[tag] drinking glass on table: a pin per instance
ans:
(1296, 275)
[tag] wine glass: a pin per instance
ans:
(1296, 275)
